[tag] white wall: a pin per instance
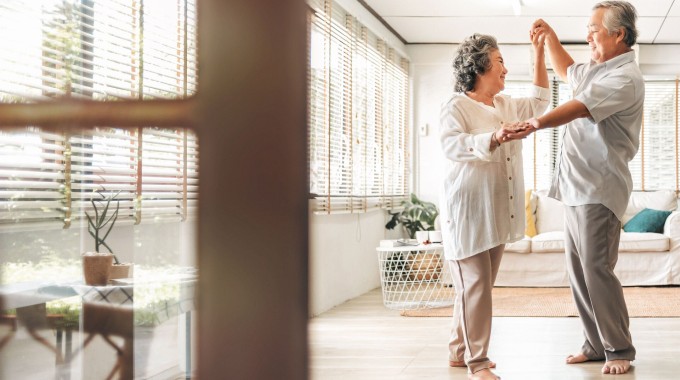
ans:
(432, 76)
(343, 262)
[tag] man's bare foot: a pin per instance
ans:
(578, 358)
(616, 367)
(484, 374)
(453, 363)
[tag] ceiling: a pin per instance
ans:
(450, 21)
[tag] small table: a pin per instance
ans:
(412, 277)
(107, 311)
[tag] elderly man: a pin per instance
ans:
(592, 178)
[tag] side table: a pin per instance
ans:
(411, 277)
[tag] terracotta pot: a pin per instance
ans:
(96, 268)
(122, 270)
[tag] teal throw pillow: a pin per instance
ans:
(647, 220)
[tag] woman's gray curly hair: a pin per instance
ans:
(472, 59)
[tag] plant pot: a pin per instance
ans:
(97, 267)
(122, 270)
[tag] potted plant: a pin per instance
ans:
(100, 227)
(417, 215)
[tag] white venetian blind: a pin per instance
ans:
(169, 172)
(654, 167)
(102, 159)
(31, 176)
(107, 50)
(358, 89)
(540, 150)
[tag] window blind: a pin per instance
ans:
(118, 49)
(654, 167)
(541, 149)
(358, 101)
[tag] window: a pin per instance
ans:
(105, 51)
(540, 151)
(358, 129)
(655, 166)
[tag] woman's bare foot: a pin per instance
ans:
(616, 367)
(578, 358)
(484, 374)
(453, 363)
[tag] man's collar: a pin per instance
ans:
(620, 60)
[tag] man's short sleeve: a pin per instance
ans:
(608, 96)
(575, 74)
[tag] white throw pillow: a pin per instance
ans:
(664, 200)
(549, 213)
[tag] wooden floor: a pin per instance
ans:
(362, 340)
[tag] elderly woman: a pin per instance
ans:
(483, 201)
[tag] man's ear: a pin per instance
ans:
(621, 34)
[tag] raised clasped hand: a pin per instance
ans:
(515, 131)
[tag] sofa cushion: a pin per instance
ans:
(644, 242)
(630, 242)
(664, 200)
(548, 242)
(530, 213)
(549, 213)
(647, 220)
(521, 246)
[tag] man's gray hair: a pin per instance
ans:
(620, 14)
(472, 59)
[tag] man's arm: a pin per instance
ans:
(561, 115)
(559, 57)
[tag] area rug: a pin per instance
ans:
(642, 302)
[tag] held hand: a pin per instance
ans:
(535, 124)
(514, 131)
(537, 39)
(542, 28)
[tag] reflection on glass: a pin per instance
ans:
(139, 187)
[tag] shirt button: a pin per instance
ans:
(511, 197)
(508, 158)
(510, 178)
(512, 216)
(470, 149)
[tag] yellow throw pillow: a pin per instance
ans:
(530, 215)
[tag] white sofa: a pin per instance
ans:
(645, 258)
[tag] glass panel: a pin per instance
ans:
(133, 189)
(106, 50)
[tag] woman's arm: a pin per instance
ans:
(559, 58)
(540, 71)
(460, 145)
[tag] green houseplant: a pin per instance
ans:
(413, 266)
(101, 220)
(100, 227)
(416, 215)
